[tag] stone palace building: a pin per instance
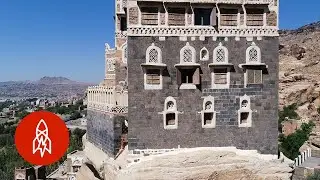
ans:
(189, 73)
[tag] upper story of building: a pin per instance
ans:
(115, 57)
(120, 22)
(202, 17)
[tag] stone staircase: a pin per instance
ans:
(306, 164)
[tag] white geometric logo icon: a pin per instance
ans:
(42, 142)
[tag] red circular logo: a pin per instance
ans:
(42, 138)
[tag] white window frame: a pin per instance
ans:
(220, 86)
(213, 121)
(153, 86)
(148, 54)
(193, 56)
(226, 54)
(246, 76)
(255, 47)
(245, 110)
(204, 58)
(173, 110)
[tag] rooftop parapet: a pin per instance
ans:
(107, 99)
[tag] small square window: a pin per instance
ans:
(153, 76)
(176, 16)
(254, 76)
(202, 16)
(149, 15)
(123, 23)
(170, 119)
(208, 118)
(187, 76)
(244, 117)
(220, 76)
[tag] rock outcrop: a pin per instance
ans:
(206, 165)
(300, 75)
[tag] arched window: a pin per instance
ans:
(220, 54)
(187, 54)
(153, 68)
(124, 53)
(253, 54)
(245, 112)
(208, 114)
(204, 54)
(170, 113)
(153, 55)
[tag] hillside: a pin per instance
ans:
(300, 73)
(44, 87)
(56, 80)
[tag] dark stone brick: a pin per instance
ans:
(146, 124)
(104, 131)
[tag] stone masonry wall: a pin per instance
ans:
(104, 131)
(146, 129)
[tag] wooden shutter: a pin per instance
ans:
(196, 77)
(178, 77)
(250, 76)
(258, 76)
(213, 17)
(220, 78)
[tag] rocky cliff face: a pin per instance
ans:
(300, 71)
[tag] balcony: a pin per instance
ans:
(107, 99)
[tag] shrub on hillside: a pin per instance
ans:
(291, 144)
(288, 111)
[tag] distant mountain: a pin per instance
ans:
(44, 87)
(304, 30)
(57, 80)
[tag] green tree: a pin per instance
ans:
(288, 111)
(5, 104)
(22, 114)
(75, 115)
(291, 144)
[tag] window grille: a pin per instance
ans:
(187, 55)
(253, 55)
(220, 55)
(153, 56)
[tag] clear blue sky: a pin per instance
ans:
(66, 38)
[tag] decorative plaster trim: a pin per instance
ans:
(162, 38)
(121, 34)
(201, 31)
(183, 38)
